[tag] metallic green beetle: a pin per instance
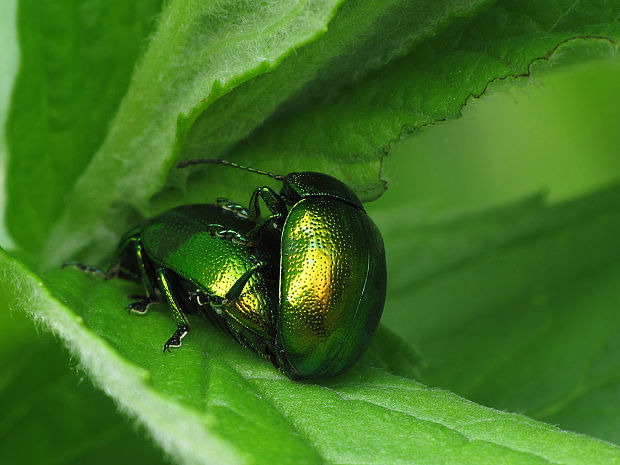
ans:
(197, 257)
(332, 271)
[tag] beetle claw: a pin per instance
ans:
(88, 269)
(141, 306)
(175, 339)
(237, 210)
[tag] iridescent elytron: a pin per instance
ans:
(196, 258)
(332, 286)
(308, 294)
(198, 254)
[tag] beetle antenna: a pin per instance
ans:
(200, 161)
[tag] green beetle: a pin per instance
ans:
(328, 259)
(332, 279)
(197, 257)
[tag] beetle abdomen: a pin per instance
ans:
(332, 286)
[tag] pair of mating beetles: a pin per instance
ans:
(303, 285)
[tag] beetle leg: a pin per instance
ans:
(230, 235)
(202, 299)
(175, 339)
(274, 204)
(237, 210)
(118, 267)
(177, 313)
(140, 306)
(89, 269)
(145, 268)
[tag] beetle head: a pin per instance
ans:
(296, 186)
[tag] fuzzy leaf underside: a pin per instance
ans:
(48, 403)
(254, 58)
(346, 135)
(235, 403)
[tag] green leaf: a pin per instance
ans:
(349, 134)
(326, 85)
(430, 84)
(225, 47)
(538, 297)
(552, 133)
(76, 63)
(235, 403)
(43, 403)
(346, 135)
